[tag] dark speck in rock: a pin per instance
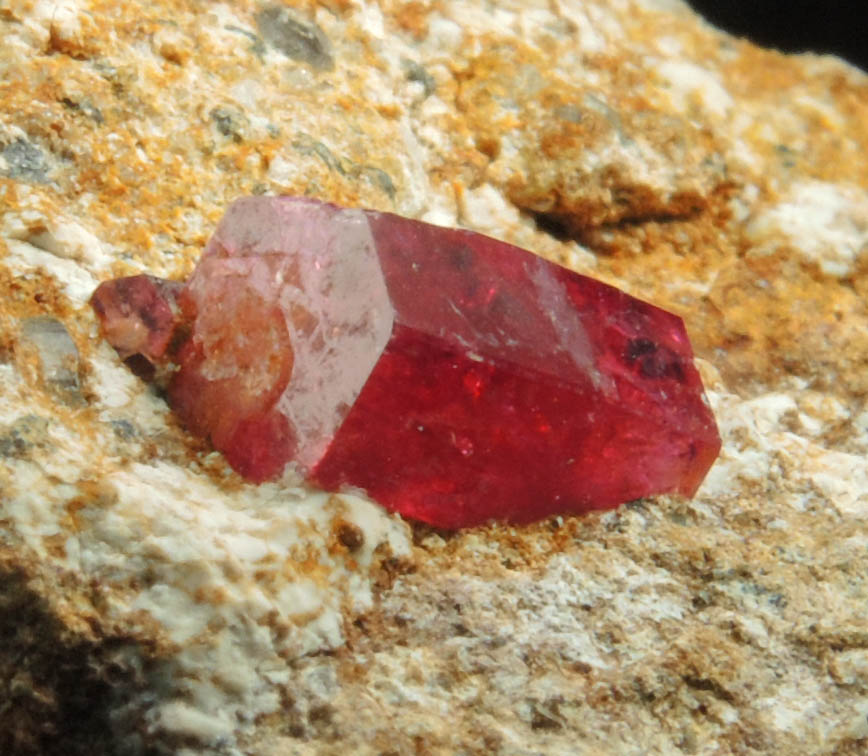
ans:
(124, 429)
(24, 434)
(57, 354)
(230, 122)
(25, 161)
(378, 178)
(300, 40)
(257, 48)
(307, 145)
(417, 73)
(85, 107)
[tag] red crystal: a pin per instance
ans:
(454, 378)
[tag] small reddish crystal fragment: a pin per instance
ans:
(455, 378)
(137, 314)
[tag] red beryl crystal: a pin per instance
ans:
(454, 378)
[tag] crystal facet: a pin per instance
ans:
(453, 377)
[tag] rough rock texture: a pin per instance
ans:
(152, 602)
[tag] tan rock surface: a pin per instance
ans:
(152, 602)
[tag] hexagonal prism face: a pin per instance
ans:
(453, 377)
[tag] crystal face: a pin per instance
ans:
(454, 378)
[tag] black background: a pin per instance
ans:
(835, 26)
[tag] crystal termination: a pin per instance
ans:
(454, 378)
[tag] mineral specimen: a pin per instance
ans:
(454, 378)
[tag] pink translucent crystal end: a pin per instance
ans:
(454, 378)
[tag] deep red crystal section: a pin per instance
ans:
(454, 378)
